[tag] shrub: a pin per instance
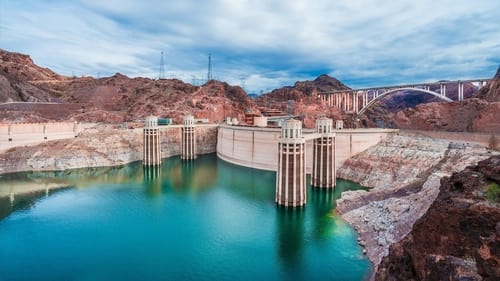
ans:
(492, 143)
(493, 192)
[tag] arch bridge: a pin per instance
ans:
(359, 100)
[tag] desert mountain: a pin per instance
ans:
(111, 99)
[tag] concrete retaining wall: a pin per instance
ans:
(12, 135)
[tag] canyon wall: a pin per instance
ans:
(102, 145)
(404, 173)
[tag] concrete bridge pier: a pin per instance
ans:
(323, 170)
(151, 141)
(188, 139)
(442, 89)
(460, 91)
(291, 173)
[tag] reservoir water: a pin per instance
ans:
(200, 220)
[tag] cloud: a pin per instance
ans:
(268, 43)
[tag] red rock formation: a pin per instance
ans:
(458, 238)
(111, 99)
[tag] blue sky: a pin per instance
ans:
(268, 44)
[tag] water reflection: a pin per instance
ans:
(152, 179)
(290, 232)
(300, 240)
(322, 202)
(190, 176)
(257, 185)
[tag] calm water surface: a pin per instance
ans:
(204, 220)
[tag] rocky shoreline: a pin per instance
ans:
(404, 174)
(458, 237)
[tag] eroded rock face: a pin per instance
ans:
(404, 172)
(459, 236)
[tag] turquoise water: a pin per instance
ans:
(204, 220)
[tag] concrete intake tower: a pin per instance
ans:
(152, 149)
(188, 139)
(323, 169)
(291, 173)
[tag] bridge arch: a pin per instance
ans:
(391, 91)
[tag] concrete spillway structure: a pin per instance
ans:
(323, 169)
(291, 173)
(152, 149)
(188, 139)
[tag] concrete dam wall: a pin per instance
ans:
(258, 147)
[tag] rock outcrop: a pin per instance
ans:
(459, 236)
(404, 174)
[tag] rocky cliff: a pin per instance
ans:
(459, 236)
(100, 146)
(404, 173)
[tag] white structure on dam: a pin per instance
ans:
(323, 170)
(291, 173)
(188, 139)
(151, 147)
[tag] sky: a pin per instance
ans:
(259, 44)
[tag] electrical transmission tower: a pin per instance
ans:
(209, 73)
(162, 67)
(242, 82)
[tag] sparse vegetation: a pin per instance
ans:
(493, 192)
(493, 143)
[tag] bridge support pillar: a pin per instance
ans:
(291, 174)
(460, 91)
(442, 89)
(188, 139)
(151, 142)
(323, 170)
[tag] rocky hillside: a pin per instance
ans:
(305, 100)
(404, 173)
(110, 99)
(18, 78)
(491, 93)
(479, 113)
(459, 236)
